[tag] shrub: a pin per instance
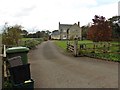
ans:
(31, 43)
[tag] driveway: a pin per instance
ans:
(50, 68)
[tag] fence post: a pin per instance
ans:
(108, 46)
(94, 46)
(75, 47)
(3, 64)
(67, 39)
(67, 45)
(1, 61)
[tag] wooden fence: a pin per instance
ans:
(1, 67)
(104, 48)
(73, 47)
(3, 55)
(5, 75)
(70, 47)
(97, 50)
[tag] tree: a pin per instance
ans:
(24, 33)
(115, 27)
(40, 34)
(100, 30)
(48, 32)
(84, 31)
(11, 35)
(91, 32)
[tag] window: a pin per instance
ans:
(64, 30)
(64, 36)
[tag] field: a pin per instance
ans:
(61, 44)
(113, 50)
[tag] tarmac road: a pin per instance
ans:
(50, 68)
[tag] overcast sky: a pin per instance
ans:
(46, 14)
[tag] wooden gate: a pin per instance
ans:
(73, 47)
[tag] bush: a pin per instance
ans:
(29, 43)
(39, 40)
(32, 43)
(7, 85)
(45, 39)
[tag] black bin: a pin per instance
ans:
(24, 86)
(20, 73)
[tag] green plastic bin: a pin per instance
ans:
(18, 51)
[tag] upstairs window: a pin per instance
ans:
(64, 30)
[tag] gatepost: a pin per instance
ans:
(75, 47)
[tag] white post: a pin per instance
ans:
(4, 53)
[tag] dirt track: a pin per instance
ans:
(52, 69)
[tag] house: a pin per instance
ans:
(70, 31)
(55, 34)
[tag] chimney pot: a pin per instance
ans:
(78, 23)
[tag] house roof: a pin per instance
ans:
(74, 25)
(65, 26)
(55, 32)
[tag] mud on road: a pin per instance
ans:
(52, 69)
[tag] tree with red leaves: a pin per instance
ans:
(100, 30)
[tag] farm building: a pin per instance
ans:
(73, 30)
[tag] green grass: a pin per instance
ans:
(61, 44)
(85, 42)
(89, 43)
(98, 54)
(25, 39)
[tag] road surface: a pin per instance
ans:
(50, 68)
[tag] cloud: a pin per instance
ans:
(45, 14)
(24, 12)
(108, 10)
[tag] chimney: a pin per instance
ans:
(78, 23)
(59, 23)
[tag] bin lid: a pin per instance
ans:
(17, 49)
